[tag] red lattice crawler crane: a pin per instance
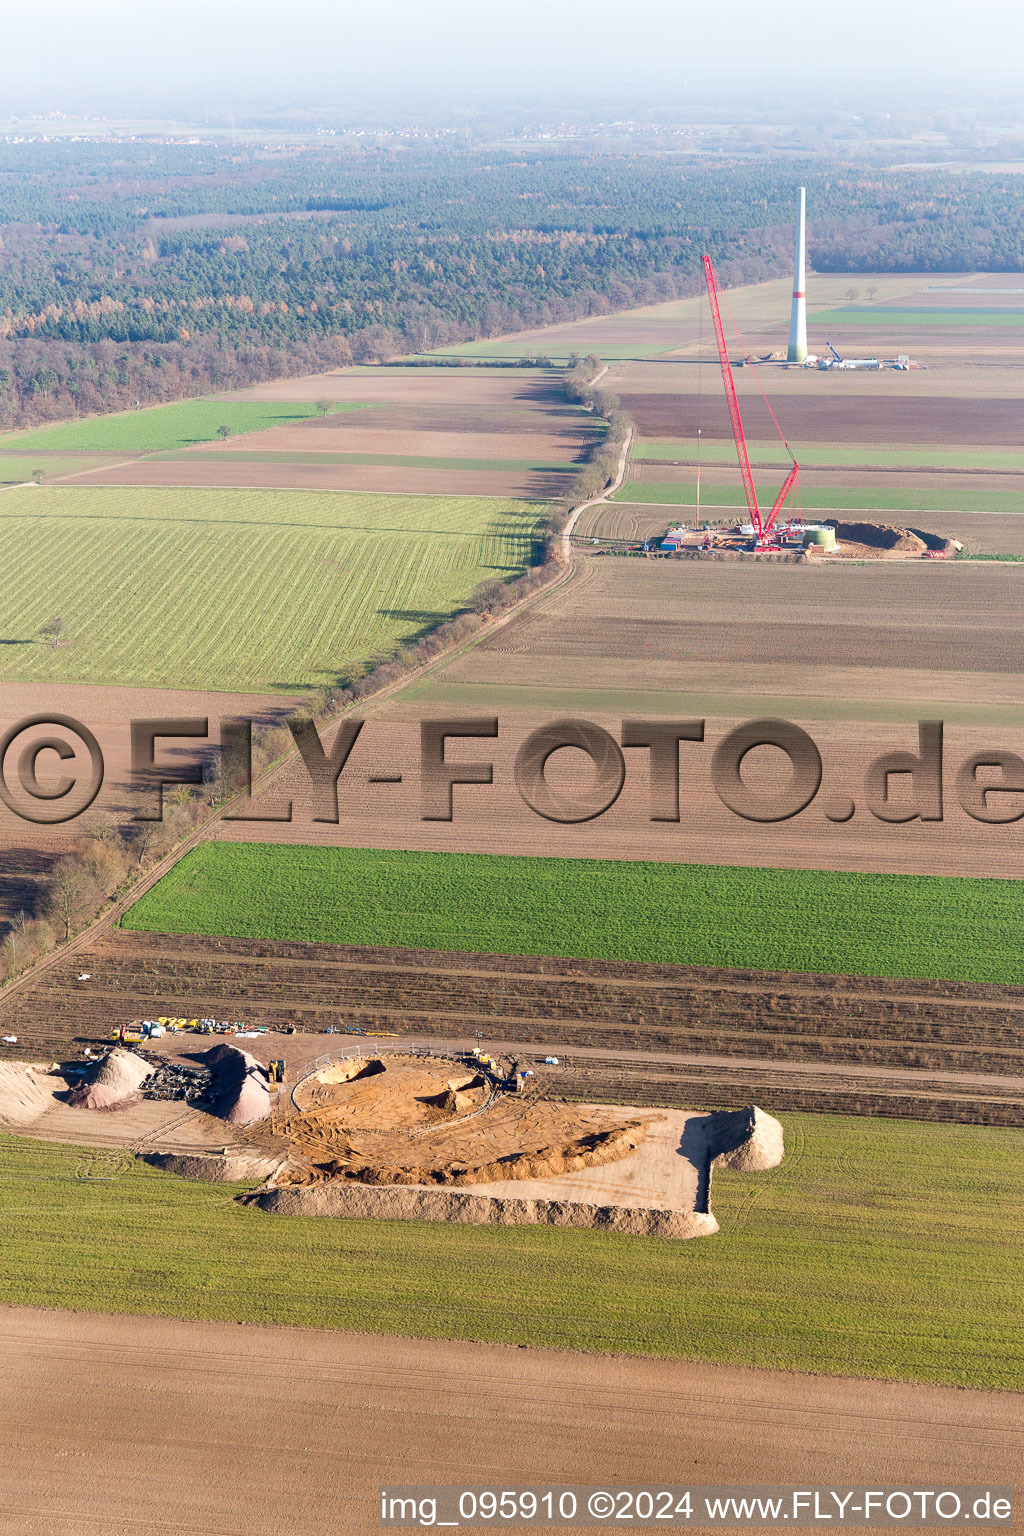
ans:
(767, 532)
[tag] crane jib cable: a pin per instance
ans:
(757, 381)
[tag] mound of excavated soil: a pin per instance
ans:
(26, 1092)
(240, 1084)
(393, 1204)
(119, 1076)
(348, 1071)
(215, 1167)
(589, 1151)
(747, 1140)
(457, 1099)
(884, 537)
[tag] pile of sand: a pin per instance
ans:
(26, 1092)
(240, 1084)
(118, 1078)
(883, 537)
(747, 1140)
(355, 1200)
(458, 1098)
(215, 1167)
(351, 1068)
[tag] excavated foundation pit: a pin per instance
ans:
(439, 1139)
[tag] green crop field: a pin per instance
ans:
(17, 468)
(835, 455)
(163, 426)
(222, 589)
(817, 498)
(673, 914)
(879, 1248)
(881, 318)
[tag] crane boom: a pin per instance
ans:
(763, 527)
(734, 404)
(780, 499)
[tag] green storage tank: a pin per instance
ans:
(820, 538)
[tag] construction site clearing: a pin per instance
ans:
(397, 1133)
(796, 541)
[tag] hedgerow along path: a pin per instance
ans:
(242, 590)
(831, 923)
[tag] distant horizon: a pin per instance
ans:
(183, 56)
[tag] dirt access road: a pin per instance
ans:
(142, 1425)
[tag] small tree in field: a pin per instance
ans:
(325, 407)
(223, 432)
(69, 892)
(851, 293)
(14, 946)
(870, 292)
(54, 632)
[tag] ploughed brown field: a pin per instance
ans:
(818, 418)
(492, 388)
(27, 850)
(900, 482)
(388, 479)
(1000, 533)
(945, 618)
(668, 1036)
(518, 422)
(494, 819)
(961, 368)
(505, 1418)
(476, 436)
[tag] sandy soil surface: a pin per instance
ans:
(659, 1174)
(404, 1119)
(212, 1411)
(374, 1137)
(33, 1102)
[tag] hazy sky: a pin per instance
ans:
(167, 49)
